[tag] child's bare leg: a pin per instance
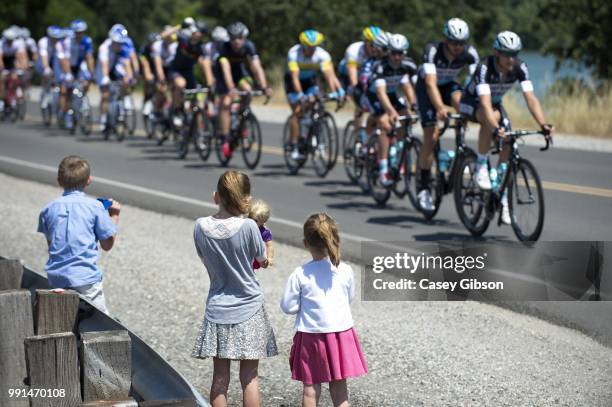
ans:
(220, 382)
(311, 395)
(250, 383)
(339, 393)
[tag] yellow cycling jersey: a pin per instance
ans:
(308, 66)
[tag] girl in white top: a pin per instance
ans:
(325, 346)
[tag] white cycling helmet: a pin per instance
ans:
(398, 42)
(507, 41)
(10, 34)
(25, 33)
(456, 29)
(220, 34)
(382, 41)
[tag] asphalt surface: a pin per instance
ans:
(578, 186)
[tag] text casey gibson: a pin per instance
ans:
(413, 263)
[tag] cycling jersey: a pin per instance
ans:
(8, 51)
(187, 54)
(78, 49)
(31, 47)
(146, 53)
(383, 73)
(212, 50)
(114, 59)
(435, 62)
(164, 50)
(237, 58)
(355, 55)
(308, 67)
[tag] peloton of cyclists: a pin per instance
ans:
(482, 103)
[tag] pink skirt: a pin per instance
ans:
(325, 357)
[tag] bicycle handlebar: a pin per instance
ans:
(458, 118)
(516, 134)
(195, 91)
(412, 118)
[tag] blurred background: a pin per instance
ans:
(567, 42)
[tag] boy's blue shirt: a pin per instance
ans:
(73, 224)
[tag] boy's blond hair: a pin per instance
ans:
(260, 211)
(73, 172)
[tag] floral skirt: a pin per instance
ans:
(251, 339)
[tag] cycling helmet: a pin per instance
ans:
(152, 37)
(398, 42)
(382, 41)
(220, 34)
(371, 32)
(67, 33)
(202, 27)
(55, 32)
(311, 38)
(118, 33)
(78, 26)
(456, 29)
(507, 41)
(187, 22)
(24, 33)
(238, 30)
(10, 34)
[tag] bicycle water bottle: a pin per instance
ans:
(443, 159)
(493, 177)
(393, 155)
(501, 170)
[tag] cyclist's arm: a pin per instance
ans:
(90, 62)
(331, 79)
(147, 71)
(258, 71)
(127, 64)
(533, 104)
(65, 65)
(206, 65)
(409, 92)
(22, 60)
(159, 68)
(135, 64)
(295, 79)
(227, 72)
(170, 32)
(431, 85)
(352, 73)
(487, 109)
(1, 62)
(381, 93)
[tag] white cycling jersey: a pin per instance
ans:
(164, 50)
(13, 48)
(355, 54)
(308, 66)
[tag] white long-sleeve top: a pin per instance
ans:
(320, 295)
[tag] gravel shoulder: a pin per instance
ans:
(419, 353)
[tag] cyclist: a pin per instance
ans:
(437, 88)
(390, 75)
(63, 74)
(212, 49)
(80, 47)
(30, 43)
(162, 52)
(113, 65)
(482, 102)
(354, 57)
(13, 57)
(231, 74)
(189, 51)
(129, 44)
(147, 64)
(304, 61)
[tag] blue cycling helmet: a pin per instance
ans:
(55, 32)
(118, 33)
(78, 25)
(371, 32)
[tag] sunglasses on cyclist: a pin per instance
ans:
(509, 54)
(397, 52)
(456, 43)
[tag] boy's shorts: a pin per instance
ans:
(94, 293)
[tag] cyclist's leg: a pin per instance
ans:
(485, 137)
(296, 112)
(178, 85)
(427, 114)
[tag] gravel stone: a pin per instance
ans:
(418, 353)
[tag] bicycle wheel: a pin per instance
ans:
(219, 141)
(348, 131)
(250, 140)
(130, 116)
(411, 167)
(292, 164)
(85, 119)
(201, 132)
(322, 151)
(147, 121)
(526, 201)
(46, 113)
(334, 138)
(469, 199)
(379, 192)
(353, 164)
(22, 106)
(119, 126)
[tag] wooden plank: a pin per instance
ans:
(56, 311)
(169, 403)
(16, 324)
(52, 363)
(106, 360)
(11, 272)
(111, 403)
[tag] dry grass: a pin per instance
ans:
(582, 113)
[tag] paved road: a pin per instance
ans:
(578, 185)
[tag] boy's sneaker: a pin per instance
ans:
(482, 178)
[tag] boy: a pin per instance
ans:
(73, 224)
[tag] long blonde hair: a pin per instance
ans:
(234, 189)
(321, 233)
